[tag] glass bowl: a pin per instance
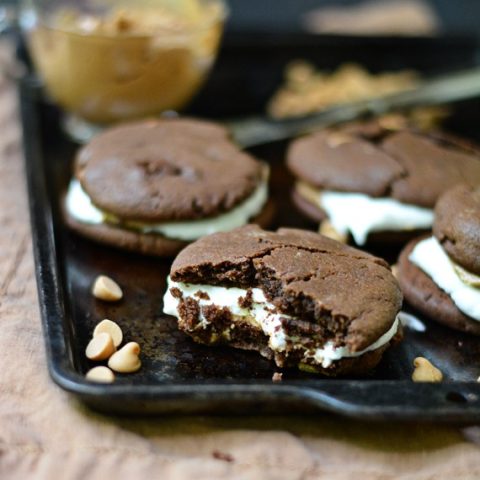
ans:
(108, 61)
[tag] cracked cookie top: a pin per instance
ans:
(409, 166)
(350, 294)
(457, 226)
(167, 169)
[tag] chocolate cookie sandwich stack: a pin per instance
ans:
(294, 296)
(440, 274)
(154, 186)
(375, 183)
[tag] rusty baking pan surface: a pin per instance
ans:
(179, 376)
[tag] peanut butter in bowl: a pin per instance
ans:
(128, 59)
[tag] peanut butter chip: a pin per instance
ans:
(100, 347)
(393, 122)
(336, 139)
(425, 371)
(308, 192)
(395, 270)
(104, 288)
(327, 229)
(107, 326)
(466, 276)
(100, 375)
(126, 360)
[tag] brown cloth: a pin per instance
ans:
(46, 434)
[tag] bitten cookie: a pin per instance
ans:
(367, 180)
(440, 275)
(156, 185)
(297, 297)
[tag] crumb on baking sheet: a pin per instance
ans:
(277, 377)
(225, 457)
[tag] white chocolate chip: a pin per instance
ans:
(100, 347)
(425, 371)
(107, 326)
(126, 360)
(100, 374)
(327, 229)
(106, 289)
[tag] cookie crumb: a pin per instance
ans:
(277, 377)
(202, 295)
(225, 457)
(176, 292)
(221, 317)
(189, 311)
(247, 300)
(122, 23)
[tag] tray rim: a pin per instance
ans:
(440, 402)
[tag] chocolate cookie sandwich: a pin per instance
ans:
(376, 183)
(440, 274)
(296, 297)
(156, 185)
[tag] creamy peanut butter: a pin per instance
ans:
(135, 60)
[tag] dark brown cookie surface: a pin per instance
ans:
(457, 226)
(411, 167)
(168, 169)
(351, 295)
(334, 160)
(423, 294)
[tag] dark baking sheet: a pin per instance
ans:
(179, 376)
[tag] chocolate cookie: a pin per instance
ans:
(410, 168)
(172, 170)
(457, 226)
(154, 186)
(295, 296)
(423, 294)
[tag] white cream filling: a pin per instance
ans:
(412, 322)
(361, 214)
(229, 297)
(261, 311)
(330, 353)
(430, 257)
(80, 207)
